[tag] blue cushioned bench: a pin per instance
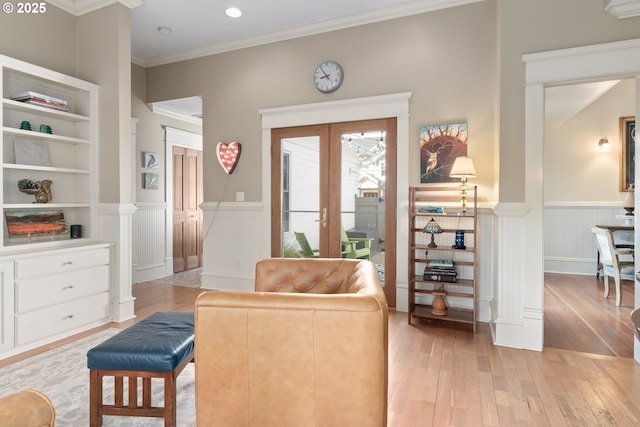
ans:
(159, 346)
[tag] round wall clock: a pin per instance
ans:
(328, 77)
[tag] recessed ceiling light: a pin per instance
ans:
(165, 31)
(233, 12)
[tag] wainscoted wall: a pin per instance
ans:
(569, 245)
(150, 259)
(234, 241)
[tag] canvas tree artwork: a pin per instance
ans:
(439, 147)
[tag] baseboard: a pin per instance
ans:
(570, 266)
(144, 274)
(223, 283)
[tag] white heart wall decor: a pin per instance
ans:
(228, 155)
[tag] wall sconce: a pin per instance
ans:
(463, 168)
(604, 145)
(432, 228)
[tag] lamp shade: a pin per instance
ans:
(463, 168)
(604, 145)
(432, 227)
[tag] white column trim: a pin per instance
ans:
(115, 220)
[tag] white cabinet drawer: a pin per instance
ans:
(63, 317)
(59, 263)
(39, 292)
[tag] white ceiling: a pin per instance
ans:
(200, 27)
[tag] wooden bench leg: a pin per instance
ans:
(170, 399)
(95, 398)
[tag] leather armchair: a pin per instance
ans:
(308, 348)
(26, 408)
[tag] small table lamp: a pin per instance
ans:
(432, 228)
(463, 168)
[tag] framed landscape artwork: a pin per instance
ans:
(627, 150)
(35, 223)
(439, 147)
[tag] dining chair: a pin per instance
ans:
(612, 266)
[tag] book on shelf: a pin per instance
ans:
(35, 95)
(430, 209)
(436, 275)
(440, 264)
(46, 104)
(35, 98)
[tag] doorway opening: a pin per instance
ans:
(582, 190)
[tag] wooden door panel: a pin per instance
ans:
(179, 263)
(187, 216)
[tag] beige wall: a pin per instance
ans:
(574, 168)
(104, 52)
(48, 40)
(445, 58)
(535, 26)
(150, 135)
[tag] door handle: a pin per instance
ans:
(324, 218)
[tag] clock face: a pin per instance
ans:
(328, 77)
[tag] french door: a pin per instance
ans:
(334, 193)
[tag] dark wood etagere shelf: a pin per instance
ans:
(461, 294)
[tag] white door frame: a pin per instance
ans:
(590, 63)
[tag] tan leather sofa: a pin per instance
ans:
(307, 349)
(26, 408)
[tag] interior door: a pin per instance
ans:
(334, 193)
(187, 216)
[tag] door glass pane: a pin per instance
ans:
(362, 196)
(300, 196)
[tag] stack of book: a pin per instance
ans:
(440, 270)
(41, 100)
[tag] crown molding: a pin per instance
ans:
(80, 7)
(173, 115)
(409, 8)
(623, 8)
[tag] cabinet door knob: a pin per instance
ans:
(69, 316)
(68, 287)
(67, 263)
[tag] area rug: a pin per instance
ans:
(189, 278)
(62, 375)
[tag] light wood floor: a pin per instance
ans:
(444, 376)
(577, 316)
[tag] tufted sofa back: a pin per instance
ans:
(308, 348)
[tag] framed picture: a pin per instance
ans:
(439, 147)
(35, 222)
(29, 152)
(627, 152)
(150, 181)
(150, 160)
